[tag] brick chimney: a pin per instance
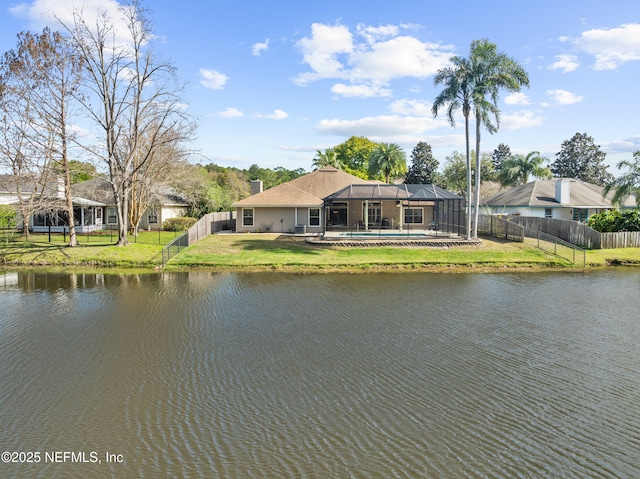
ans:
(256, 186)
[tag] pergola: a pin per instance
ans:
(403, 207)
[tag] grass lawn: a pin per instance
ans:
(94, 250)
(274, 252)
(251, 252)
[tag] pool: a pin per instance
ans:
(385, 234)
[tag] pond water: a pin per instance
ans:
(320, 376)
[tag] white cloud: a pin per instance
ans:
(564, 97)
(517, 98)
(378, 126)
(412, 108)
(522, 119)
(566, 63)
(611, 47)
(213, 79)
(276, 115)
(41, 13)
(321, 51)
(231, 112)
(371, 34)
(377, 56)
(260, 47)
(362, 91)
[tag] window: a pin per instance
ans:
(314, 216)
(152, 215)
(580, 214)
(112, 215)
(548, 213)
(247, 216)
(413, 216)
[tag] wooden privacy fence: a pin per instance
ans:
(622, 239)
(209, 224)
(577, 233)
(570, 231)
(499, 227)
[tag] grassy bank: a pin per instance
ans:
(273, 252)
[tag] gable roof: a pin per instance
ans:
(542, 194)
(100, 190)
(305, 191)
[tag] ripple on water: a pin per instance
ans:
(329, 375)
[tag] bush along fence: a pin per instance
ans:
(209, 224)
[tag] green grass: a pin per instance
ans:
(94, 250)
(273, 252)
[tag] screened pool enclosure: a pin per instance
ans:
(394, 210)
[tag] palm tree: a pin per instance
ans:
(628, 184)
(457, 94)
(388, 159)
(516, 170)
(491, 71)
(328, 158)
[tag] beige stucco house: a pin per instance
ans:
(560, 198)
(329, 199)
(295, 206)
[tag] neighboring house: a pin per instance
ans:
(94, 206)
(330, 199)
(48, 201)
(166, 203)
(566, 199)
(291, 206)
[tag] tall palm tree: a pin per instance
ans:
(517, 169)
(491, 71)
(628, 184)
(457, 94)
(326, 158)
(388, 159)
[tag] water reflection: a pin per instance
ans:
(277, 375)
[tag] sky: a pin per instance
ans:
(271, 82)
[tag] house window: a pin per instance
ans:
(152, 215)
(314, 216)
(112, 215)
(548, 213)
(247, 217)
(580, 214)
(413, 216)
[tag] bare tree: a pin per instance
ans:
(40, 78)
(132, 96)
(152, 179)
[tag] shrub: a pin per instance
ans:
(179, 224)
(612, 221)
(7, 217)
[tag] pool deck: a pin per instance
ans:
(413, 238)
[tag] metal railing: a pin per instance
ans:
(174, 247)
(562, 248)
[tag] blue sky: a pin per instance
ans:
(273, 81)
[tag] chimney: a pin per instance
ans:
(256, 186)
(563, 192)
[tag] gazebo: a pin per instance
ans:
(366, 208)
